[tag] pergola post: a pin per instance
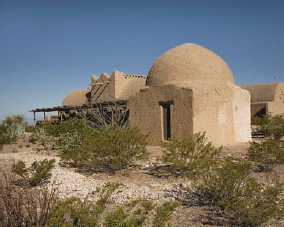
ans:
(34, 118)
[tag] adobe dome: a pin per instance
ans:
(189, 62)
(76, 98)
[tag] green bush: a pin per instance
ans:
(74, 212)
(266, 154)
(72, 125)
(135, 213)
(232, 188)
(270, 125)
(190, 156)
(37, 173)
(164, 213)
(5, 137)
(113, 149)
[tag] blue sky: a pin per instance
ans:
(50, 47)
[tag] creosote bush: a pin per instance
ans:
(136, 212)
(270, 125)
(114, 149)
(190, 156)
(232, 188)
(37, 173)
(266, 154)
(74, 212)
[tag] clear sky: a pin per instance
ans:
(50, 47)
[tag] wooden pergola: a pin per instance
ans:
(87, 106)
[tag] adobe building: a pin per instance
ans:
(189, 89)
(266, 98)
(103, 91)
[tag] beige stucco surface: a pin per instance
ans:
(146, 113)
(76, 98)
(114, 87)
(242, 115)
(269, 96)
(197, 87)
(204, 96)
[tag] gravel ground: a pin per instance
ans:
(137, 183)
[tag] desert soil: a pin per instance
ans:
(139, 182)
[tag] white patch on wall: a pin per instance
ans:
(222, 114)
(241, 107)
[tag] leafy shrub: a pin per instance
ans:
(47, 141)
(72, 125)
(25, 207)
(74, 212)
(38, 171)
(5, 137)
(190, 156)
(233, 189)
(29, 128)
(113, 149)
(70, 140)
(164, 213)
(270, 125)
(136, 213)
(266, 154)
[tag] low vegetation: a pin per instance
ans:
(191, 156)
(37, 173)
(232, 187)
(12, 126)
(109, 144)
(270, 125)
(266, 154)
(114, 149)
(25, 207)
(99, 145)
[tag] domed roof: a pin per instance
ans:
(189, 62)
(76, 98)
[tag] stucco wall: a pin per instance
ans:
(270, 95)
(116, 86)
(146, 113)
(241, 108)
(213, 114)
(277, 106)
(102, 89)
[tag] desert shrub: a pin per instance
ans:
(102, 118)
(259, 121)
(113, 149)
(232, 188)
(29, 128)
(37, 173)
(266, 154)
(74, 212)
(72, 125)
(70, 140)
(5, 137)
(270, 125)
(47, 141)
(164, 213)
(135, 213)
(190, 156)
(25, 207)
(71, 148)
